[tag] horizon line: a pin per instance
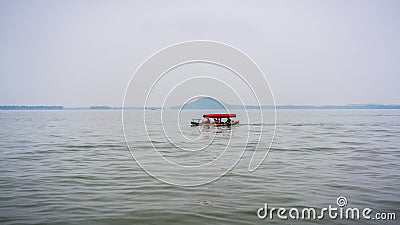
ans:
(104, 107)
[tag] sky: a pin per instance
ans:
(83, 53)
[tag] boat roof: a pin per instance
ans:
(219, 115)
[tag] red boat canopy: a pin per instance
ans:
(219, 115)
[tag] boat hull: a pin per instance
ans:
(214, 124)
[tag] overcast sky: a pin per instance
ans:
(81, 53)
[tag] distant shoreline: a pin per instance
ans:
(31, 107)
(352, 106)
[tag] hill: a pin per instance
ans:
(203, 103)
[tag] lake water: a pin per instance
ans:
(74, 167)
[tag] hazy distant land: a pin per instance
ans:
(31, 107)
(209, 103)
(350, 106)
(204, 103)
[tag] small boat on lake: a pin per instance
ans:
(216, 119)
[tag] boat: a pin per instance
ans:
(216, 119)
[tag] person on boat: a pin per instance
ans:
(216, 121)
(207, 120)
(228, 121)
